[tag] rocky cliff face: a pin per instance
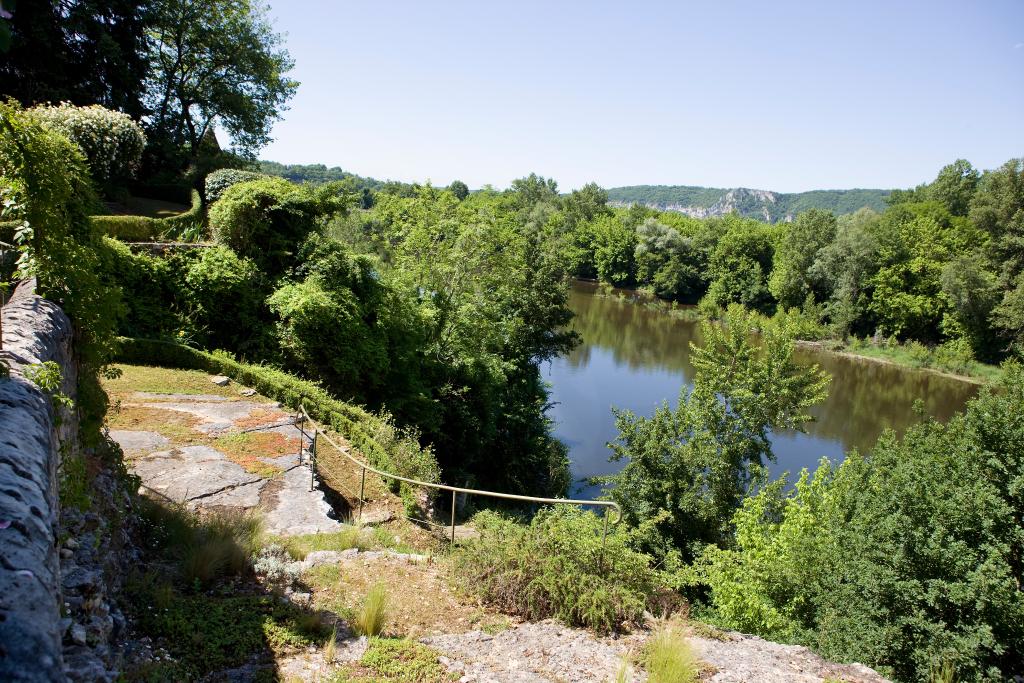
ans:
(761, 204)
(764, 205)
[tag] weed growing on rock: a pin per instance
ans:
(275, 565)
(668, 657)
(398, 660)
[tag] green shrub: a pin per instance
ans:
(268, 218)
(360, 427)
(906, 560)
(801, 325)
(220, 180)
(111, 142)
(955, 355)
(146, 229)
(47, 193)
(224, 295)
(555, 567)
(920, 355)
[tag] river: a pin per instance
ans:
(635, 356)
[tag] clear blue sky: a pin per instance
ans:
(785, 96)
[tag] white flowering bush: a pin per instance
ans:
(110, 140)
(275, 565)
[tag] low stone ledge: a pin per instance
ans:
(34, 331)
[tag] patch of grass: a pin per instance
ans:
(669, 658)
(202, 548)
(372, 616)
(702, 630)
(397, 660)
(490, 623)
(625, 672)
(944, 672)
(331, 646)
(349, 537)
(165, 381)
(75, 482)
(207, 633)
(916, 355)
(261, 417)
(247, 448)
(177, 426)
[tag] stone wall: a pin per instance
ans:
(34, 331)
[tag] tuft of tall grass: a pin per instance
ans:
(625, 672)
(331, 646)
(669, 658)
(204, 547)
(221, 545)
(944, 672)
(370, 618)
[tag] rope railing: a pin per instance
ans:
(319, 432)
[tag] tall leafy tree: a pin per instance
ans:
(790, 281)
(82, 51)
(215, 64)
(688, 468)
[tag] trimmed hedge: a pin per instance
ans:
(146, 229)
(359, 426)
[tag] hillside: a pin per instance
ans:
(701, 202)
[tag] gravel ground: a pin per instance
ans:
(533, 653)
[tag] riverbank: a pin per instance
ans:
(902, 357)
(911, 356)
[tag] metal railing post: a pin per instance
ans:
(312, 461)
(362, 488)
(302, 433)
(453, 518)
(604, 540)
(608, 505)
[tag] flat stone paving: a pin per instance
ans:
(204, 477)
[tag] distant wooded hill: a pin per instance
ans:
(765, 205)
(699, 202)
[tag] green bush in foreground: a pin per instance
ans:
(555, 567)
(908, 559)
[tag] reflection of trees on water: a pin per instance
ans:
(864, 399)
(638, 337)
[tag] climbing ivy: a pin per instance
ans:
(47, 196)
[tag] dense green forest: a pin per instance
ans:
(938, 269)
(435, 308)
(760, 204)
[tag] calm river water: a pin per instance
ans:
(634, 356)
